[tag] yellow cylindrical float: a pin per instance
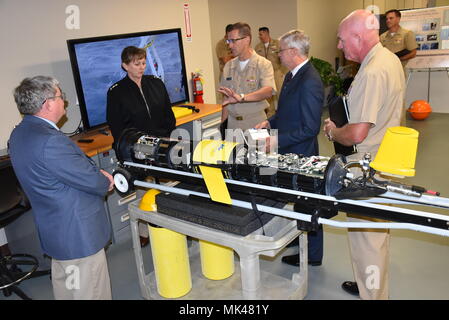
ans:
(170, 255)
(217, 262)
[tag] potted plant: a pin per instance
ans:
(331, 79)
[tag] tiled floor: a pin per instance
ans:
(418, 261)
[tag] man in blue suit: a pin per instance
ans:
(298, 117)
(66, 191)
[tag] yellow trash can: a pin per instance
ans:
(397, 152)
(170, 255)
(217, 262)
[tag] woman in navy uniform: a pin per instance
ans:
(139, 101)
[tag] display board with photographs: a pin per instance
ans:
(431, 27)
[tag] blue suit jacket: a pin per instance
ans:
(65, 188)
(298, 117)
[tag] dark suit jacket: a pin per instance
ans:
(298, 117)
(65, 188)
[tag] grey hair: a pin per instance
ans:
(32, 93)
(297, 39)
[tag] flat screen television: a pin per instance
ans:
(96, 65)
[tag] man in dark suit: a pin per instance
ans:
(298, 117)
(66, 191)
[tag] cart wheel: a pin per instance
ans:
(123, 182)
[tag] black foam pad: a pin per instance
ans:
(215, 215)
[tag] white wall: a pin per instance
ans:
(322, 30)
(33, 37)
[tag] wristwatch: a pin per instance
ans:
(242, 95)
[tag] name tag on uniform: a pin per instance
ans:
(229, 79)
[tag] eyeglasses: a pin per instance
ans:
(280, 50)
(229, 41)
(62, 96)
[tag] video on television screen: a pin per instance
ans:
(96, 64)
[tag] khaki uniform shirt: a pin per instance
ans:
(222, 50)
(376, 96)
(271, 53)
(402, 39)
(258, 73)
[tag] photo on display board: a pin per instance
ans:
(426, 27)
(434, 46)
(420, 38)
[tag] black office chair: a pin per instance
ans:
(13, 202)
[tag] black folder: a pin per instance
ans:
(402, 53)
(339, 114)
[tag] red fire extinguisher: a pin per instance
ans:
(197, 88)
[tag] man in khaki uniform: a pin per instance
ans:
(247, 82)
(223, 52)
(269, 48)
(401, 42)
(375, 103)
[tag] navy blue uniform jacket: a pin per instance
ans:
(65, 188)
(126, 108)
(298, 117)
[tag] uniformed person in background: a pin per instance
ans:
(269, 48)
(247, 82)
(223, 52)
(401, 42)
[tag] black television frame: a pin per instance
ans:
(76, 74)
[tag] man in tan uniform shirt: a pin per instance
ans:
(247, 82)
(269, 48)
(375, 102)
(401, 42)
(223, 52)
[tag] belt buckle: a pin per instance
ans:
(239, 118)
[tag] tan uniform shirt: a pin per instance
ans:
(222, 50)
(271, 53)
(258, 73)
(400, 40)
(376, 96)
